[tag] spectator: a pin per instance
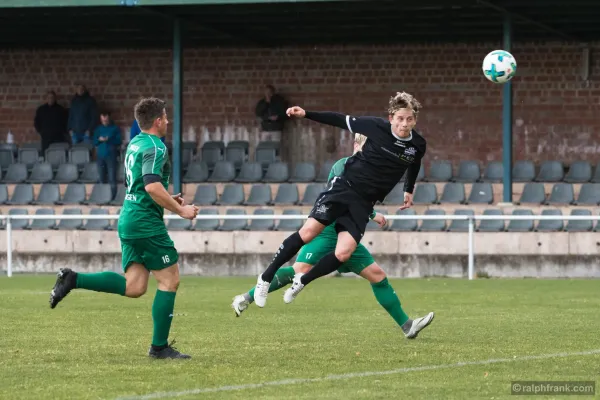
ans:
(135, 130)
(107, 139)
(271, 111)
(83, 116)
(51, 122)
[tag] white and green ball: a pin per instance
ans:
(499, 66)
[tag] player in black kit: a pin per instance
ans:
(392, 149)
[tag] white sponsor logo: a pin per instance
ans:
(411, 151)
(322, 209)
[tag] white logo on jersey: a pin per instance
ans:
(411, 151)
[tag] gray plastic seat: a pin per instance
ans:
(533, 192)
(179, 224)
(119, 196)
(97, 224)
(433, 225)
(579, 172)
(491, 225)
(562, 193)
(29, 157)
(523, 171)
(520, 225)
(224, 171)
(66, 173)
(395, 196)
(234, 224)
(205, 195)
(551, 171)
(233, 195)
(211, 154)
(239, 144)
(481, 193)
(120, 172)
(468, 171)
(79, 156)
(457, 225)
(74, 194)
(262, 224)
(260, 195)
(3, 193)
(550, 225)
(70, 224)
(589, 195)
(311, 194)
(41, 173)
(7, 157)
(405, 225)
(18, 223)
(101, 194)
(43, 224)
(23, 194)
(494, 172)
(277, 172)
(17, 173)
(304, 172)
(207, 224)
(580, 225)
(49, 194)
(114, 223)
(81, 145)
(287, 193)
(250, 172)
(596, 176)
(454, 192)
(60, 145)
(197, 172)
(440, 171)
(187, 157)
(56, 156)
(237, 155)
(425, 193)
(324, 171)
(265, 156)
(290, 224)
(89, 174)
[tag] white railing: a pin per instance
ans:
(470, 218)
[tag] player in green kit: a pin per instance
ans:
(145, 244)
(361, 263)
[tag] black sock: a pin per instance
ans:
(287, 250)
(159, 348)
(326, 265)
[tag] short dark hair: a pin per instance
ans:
(105, 112)
(148, 110)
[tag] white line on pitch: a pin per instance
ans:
(296, 381)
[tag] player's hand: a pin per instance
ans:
(177, 197)
(380, 219)
(296, 111)
(408, 201)
(188, 212)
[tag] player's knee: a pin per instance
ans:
(376, 274)
(171, 285)
(135, 290)
(343, 254)
(310, 230)
(302, 268)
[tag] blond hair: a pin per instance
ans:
(403, 100)
(359, 140)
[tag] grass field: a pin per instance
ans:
(93, 346)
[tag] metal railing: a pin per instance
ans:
(470, 218)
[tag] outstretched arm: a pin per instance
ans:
(364, 125)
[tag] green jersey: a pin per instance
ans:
(141, 216)
(337, 170)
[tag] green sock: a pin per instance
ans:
(162, 315)
(283, 277)
(107, 282)
(386, 296)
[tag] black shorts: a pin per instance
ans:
(342, 204)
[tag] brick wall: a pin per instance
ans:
(556, 114)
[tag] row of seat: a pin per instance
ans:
(66, 173)
(49, 194)
(54, 156)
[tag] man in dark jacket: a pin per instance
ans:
(107, 139)
(83, 116)
(51, 122)
(271, 110)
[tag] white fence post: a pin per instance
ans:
(471, 249)
(8, 247)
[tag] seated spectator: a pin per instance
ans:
(83, 117)
(51, 122)
(271, 112)
(107, 139)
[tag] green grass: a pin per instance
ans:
(93, 346)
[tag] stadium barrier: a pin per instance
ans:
(471, 225)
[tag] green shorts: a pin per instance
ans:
(325, 243)
(155, 253)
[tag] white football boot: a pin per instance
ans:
(297, 286)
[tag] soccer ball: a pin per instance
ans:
(499, 66)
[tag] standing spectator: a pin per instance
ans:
(271, 111)
(83, 117)
(51, 122)
(107, 139)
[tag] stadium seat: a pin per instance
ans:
(42, 224)
(120, 172)
(79, 156)
(250, 172)
(207, 224)
(3, 193)
(396, 196)
(494, 171)
(119, 197)
(533, 193)
(114, 223)
(373, 226)
(96, 224)
(439, 171)
(324, 171)
(233, 195)
(523, 171)
(405, 225)
(82, 145)
(234, 224)
(303, 172)
(75, 194)
(457, 225)
(212, 152)
(7, 157)
(197, 172)
(60, 145)
(562, 193)
(468, 171)
(224, 171)
(579, 172)
(70, 224)
(17, 173)
(311, 194)
(89, 174)
(589, 195)
(425, 193)
(66, 173)
(205, 195)
(580, 225)
(18, 223)
(13, 146)
(550, 225)
(187, 157)
(491, 225)
(277, 172)
(287, 193)
(55, 157)
(238, 155)
(40, 173)
(433, 225)
(49, 194)
(23, 194)
(551, 171)
(596, 176)
(179, 224)
(260, 195)
(262, 224)
(269, 144)
(481, 193)
(101, 195)
(29, 157)
(454, 192)
(520, 225)
(421, 174)
(291, 225)
(265, 156)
